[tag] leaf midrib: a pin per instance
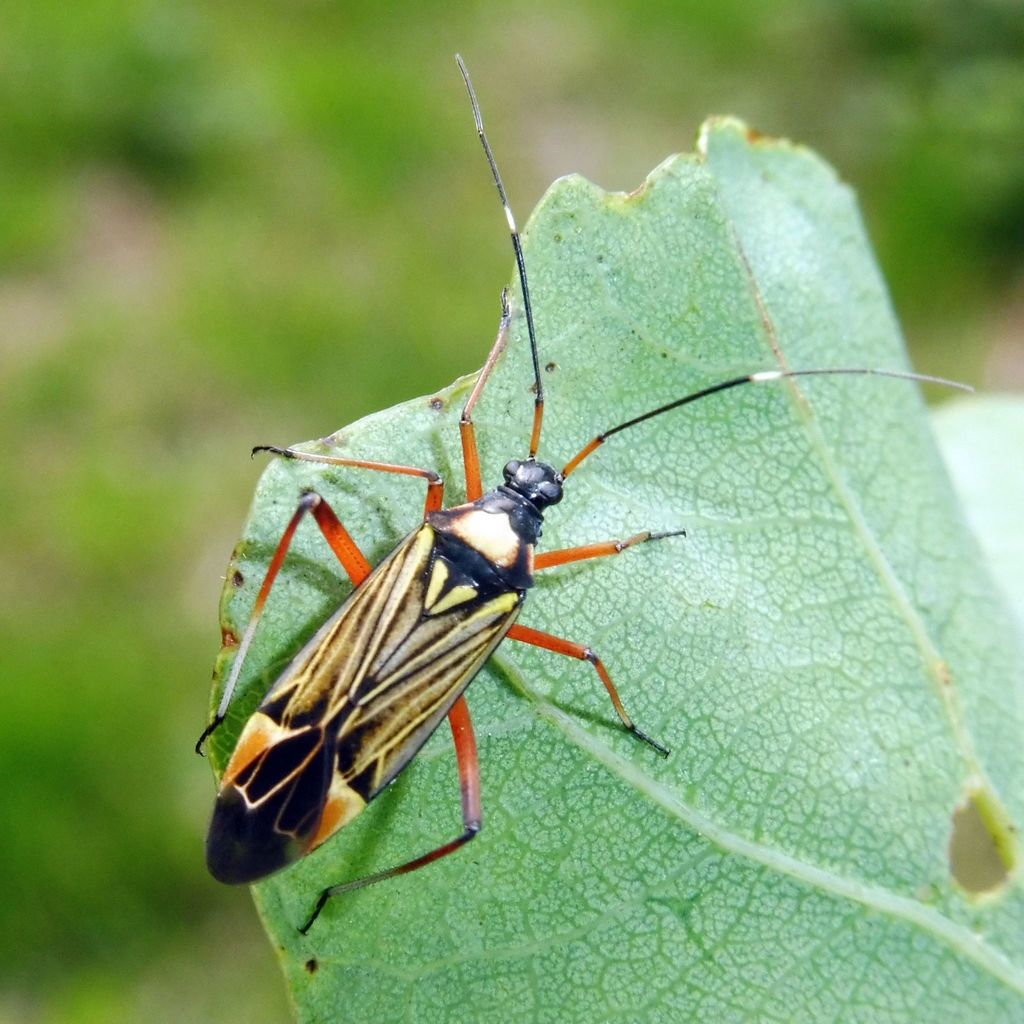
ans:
(935, 666)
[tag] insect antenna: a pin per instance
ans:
(538, 403)
(760, 377)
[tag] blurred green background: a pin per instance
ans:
(227, 224)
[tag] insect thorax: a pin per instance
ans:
(491, 540)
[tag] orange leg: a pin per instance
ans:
(470, 456)
(358, 568)
(352, 559)
(435, 485)
(472, 812)
(536, 638)
(549, 559)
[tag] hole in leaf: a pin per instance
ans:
(981, 846)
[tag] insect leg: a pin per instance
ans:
(342, 544)
(470, 458)
(435, 485)
(536, 638)
(472, 812)
(548, 559)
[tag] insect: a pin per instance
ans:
(363, 695)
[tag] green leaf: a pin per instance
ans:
(823, 652)
(979, 438)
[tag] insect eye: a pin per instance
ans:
(510, 470)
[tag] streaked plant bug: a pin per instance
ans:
(359, 700)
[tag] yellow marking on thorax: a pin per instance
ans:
(434, 604)
(456, 596)
(438, 578)
(342, 805)
(490, 533)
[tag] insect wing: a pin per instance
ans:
(268, 809)
(419, 672)
(353, 708)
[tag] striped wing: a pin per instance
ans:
(354, 707)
